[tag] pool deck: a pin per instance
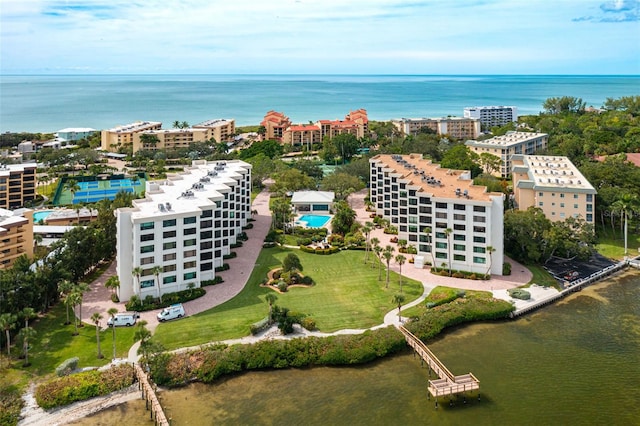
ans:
(301, 222)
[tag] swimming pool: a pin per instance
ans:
(313, 220)
(38, 216)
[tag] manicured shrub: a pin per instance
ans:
(224, 267)
(78, 387)
(248, 226)
(282, 286)
(506, 268)
(216, 280)
(261, 325)
(67, 367)
(151, 303)
(308, 323)
(230, 255)
(236, 244)
(519, 293)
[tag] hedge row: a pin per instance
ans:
(216, 280)
(473, 307)
(81, 386)
(330, 250)
(150, 303)
(208, 364)
(441, 295)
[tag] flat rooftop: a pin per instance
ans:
(216, 122)
(510, 139)
(198, 186)
(546, 171)
(433, 180)
(134, 127)
(408, 120)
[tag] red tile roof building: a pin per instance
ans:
(275, 123)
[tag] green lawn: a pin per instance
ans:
(612, 245)
(542, 277)
(55, 343)
(347, 294)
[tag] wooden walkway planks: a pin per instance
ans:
(157, 413)
(447, 383)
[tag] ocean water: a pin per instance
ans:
(50, 103)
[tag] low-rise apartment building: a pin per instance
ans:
(457, 127)
(17, 185)
(275, 123)
(302, 135)
(119, 136)
(448, 219)
(168, 138)
(491, 116)
(505, 146)
(178, 234)
(16, 235)
(220, 129)
(72, 134)
(554, 185)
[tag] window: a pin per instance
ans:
(540, 204)
(189, 253)
(575, 196)
(477, 259)
(146, 237)
(169, 246)
(441, 205)
(169, 280)
(561, 205)
(206, 256)
(168, 222)
(589, 207)
(459, 247)
(441, 245)
(191, 264)
(189, 276)
(441, 215)
(459, 227)
(479, 219)
(425, 248)
(441, 235)
(479, 240)
(575, 206)
(459, 217)
(147, 225)
(169, 256)
(479, 250)
(479, 209)
(206, 235)
(441, 255)
(168, 234)
(480, 229)
(147, 260)
(459, 207)
(561, 195)
(190, 231)
(589, 217)
(189, 220)
(589, 198)
(458, 237)
(168, 268)
(146, 249)
(207, 213)
(147, 283)
(460, 257)
(188, 243)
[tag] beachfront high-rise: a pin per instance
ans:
(553, 184)
(491, 116)
(505, 146)
(17, 185)
(457, 127)
(184, 226)
(120, 136)
(448, 219)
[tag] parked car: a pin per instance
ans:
(127, 319)
(172, 312)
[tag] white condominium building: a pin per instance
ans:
(448, 219)
(184, 226)
(490, 116)
(505, 146)
(555, 185)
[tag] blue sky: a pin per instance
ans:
(320, 36)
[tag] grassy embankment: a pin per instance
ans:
(347, 294)
(54, 343)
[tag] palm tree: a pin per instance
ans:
(400, 259)
(95, 318)
(113, 283)
(81, 289)
(428, 231)
(7, 322)
(74, 299)
(373, 243)
(72, 186)
(137, 272)
(112, 313)
(378, 250)
(448, 233)
(26, 334)
(626, 205)
(490, 250)
(366, 229)
(398, 300)
(65, 287)
(184, 125)
(176, 124)
(387, 254)
(157, 270)
(270, 299)
(143, 335)
(37, 240)
(28, 313)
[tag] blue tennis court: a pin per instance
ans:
(96, 190)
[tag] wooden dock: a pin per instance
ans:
(149, 394)
(447, 384)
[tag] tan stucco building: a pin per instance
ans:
(508, 145)
(554, 185)
(16, 235)
(120, 136)
(457, 127)
(17, 185)
(220, 129)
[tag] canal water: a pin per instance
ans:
(575, 362)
